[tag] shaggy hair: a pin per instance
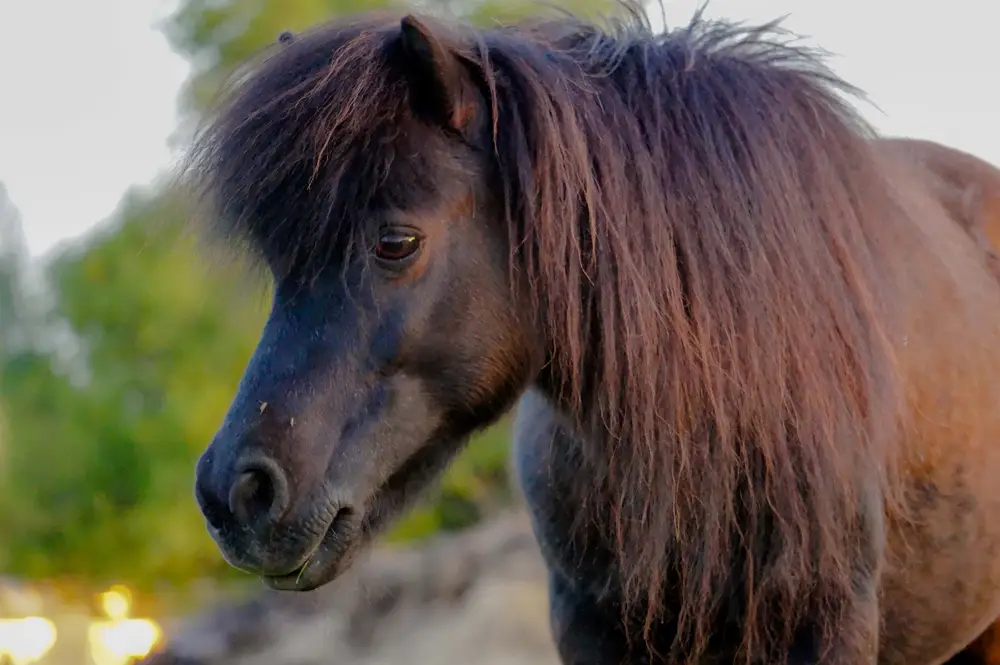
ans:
(700, 221)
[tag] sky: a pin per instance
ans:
(88, 90)
(88, 99)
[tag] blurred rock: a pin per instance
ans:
(478, 597)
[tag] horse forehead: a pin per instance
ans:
(425, 185)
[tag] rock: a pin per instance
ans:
(475, 597)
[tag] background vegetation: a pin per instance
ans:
(118, 358)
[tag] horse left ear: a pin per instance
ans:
(441, 88)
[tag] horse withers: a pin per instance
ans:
(756, 348)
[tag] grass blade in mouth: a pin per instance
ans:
(302, 570)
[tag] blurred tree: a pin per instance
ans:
(12, 255)
(13, 259)
(98, 478)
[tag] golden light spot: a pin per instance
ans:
(26, 640)
(119, 640)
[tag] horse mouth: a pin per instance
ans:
(345, 539)
(331, 556)
(352, 529)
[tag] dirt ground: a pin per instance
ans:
(477, 597)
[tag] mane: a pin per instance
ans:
(702, 226)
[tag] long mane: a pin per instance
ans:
(703, 227)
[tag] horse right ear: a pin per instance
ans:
(441, 89)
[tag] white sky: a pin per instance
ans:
(88, 98)
(88, 90)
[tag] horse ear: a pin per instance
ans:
(440, 86)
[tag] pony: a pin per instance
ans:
(754, 348)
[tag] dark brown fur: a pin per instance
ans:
(708, 241)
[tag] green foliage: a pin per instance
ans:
(99, 467)
(114, 380)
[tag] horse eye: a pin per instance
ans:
(396, 246)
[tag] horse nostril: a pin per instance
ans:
(214, 511)
(260, 493)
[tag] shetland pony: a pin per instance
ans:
(756, 348)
